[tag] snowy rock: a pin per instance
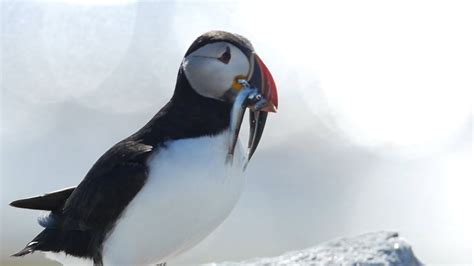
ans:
(378, 248)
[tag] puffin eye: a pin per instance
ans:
(225, 57)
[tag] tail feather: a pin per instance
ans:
(73, 242)
(23, 252)
(40, 242)
(30, 248)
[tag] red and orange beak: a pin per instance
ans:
(259, 94)
(262, 79)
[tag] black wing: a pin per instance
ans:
(90, 210)
(48, 202)
(110, 185)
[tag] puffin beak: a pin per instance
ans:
(262, 79)
(259, 94)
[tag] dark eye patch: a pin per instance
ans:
(225, 57)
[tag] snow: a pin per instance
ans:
(376, 248)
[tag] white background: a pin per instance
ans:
(374, 130)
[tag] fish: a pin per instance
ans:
(251, 98)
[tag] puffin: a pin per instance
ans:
(162, 190)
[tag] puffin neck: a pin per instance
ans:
(186, 115)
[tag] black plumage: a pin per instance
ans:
(81, 217)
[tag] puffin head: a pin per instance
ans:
(225, 67)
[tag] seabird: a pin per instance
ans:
(162, 190)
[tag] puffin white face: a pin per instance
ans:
(213, 69)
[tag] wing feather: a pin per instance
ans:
(47, 202)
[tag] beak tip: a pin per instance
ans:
(270, 108)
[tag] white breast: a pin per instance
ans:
(189, 192)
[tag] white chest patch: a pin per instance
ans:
(189, 192)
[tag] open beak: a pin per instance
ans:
(259, 94)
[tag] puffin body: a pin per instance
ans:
(176, 213)
(170, 215)
(162, 190)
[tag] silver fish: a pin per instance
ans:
(248, 97)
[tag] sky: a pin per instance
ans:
(374, 129)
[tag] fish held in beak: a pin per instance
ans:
(259, 94)
(248, 96)
(252, 98)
